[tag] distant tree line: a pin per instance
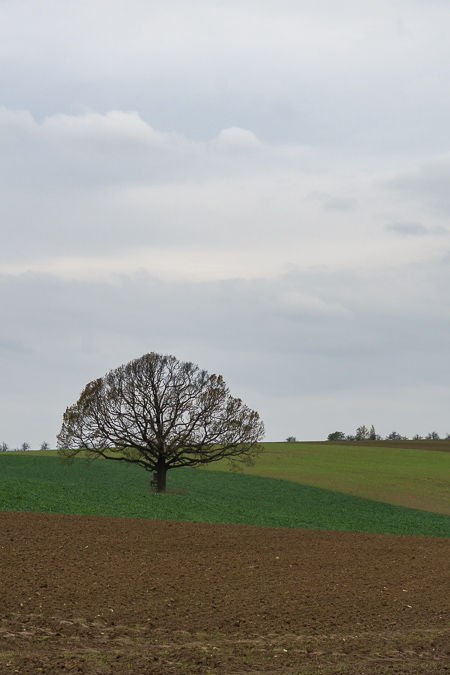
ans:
(364, 434)
(4, 447)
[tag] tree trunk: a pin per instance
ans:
(161, 471)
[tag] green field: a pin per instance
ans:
(404, 474)
(42, 483)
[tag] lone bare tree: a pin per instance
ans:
(161, 414)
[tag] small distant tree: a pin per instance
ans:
(373, 436)
(432, 436)
(394, 436)
(161, 413)
(362, 433)
(45, 446)
(336, 436)
(4, 447)
(350, 437)
(291, 439)
(417, 437)
(24, 447)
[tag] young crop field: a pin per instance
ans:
(414, 473)
(44, 484)
(407, 473)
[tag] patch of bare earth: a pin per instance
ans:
(85, 594)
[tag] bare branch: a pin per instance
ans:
(161, 413)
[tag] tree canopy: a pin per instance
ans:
(161, 413)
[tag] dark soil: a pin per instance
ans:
(441, 445)
(87, 594)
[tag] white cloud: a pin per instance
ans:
(361, 74)
(112, 189)
(120, 132)
(124, 129)
(237, 139)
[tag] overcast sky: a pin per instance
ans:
(261, 187)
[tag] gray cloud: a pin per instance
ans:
(257, 187)
(416, 229)
(427, 183)
(335, 343)
(83, 190)
(339, 204)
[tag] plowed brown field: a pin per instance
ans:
(86, 594)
